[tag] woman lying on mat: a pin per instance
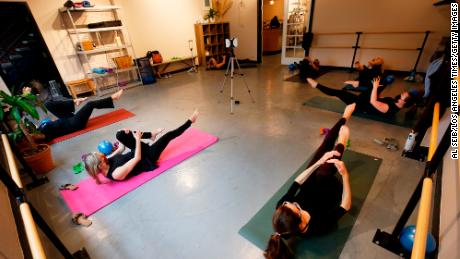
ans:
(317, 199)
(68, 120)
(214, 65)
(308, 68)
(369, 100)
(141, 157)
(367, 73)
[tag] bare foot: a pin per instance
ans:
(78, 101)
(344, 134)
(349, 109)
(194, 116)
(116, 96)
(355, 84)
(156, 132)
(312, 82)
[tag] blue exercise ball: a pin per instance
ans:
(44, 122)
(407, 239)
(105, 147)
(389, 79)
(291, 67)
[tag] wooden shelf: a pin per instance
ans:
(210, 38)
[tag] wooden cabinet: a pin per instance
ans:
(210, 40)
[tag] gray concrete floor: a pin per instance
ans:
(195, 209)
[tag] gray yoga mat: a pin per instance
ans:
(362, 169)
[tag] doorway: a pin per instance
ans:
(24, 55)
(272, 24)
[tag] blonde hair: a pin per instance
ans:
(91, 161)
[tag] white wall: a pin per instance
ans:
(161, 25)
(378, 16)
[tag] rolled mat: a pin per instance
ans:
(90, 197)
(362, 169)
(96, 123)
(335, 105)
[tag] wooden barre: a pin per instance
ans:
(382, 32)
(352, 47)
(423, 217)
(33, 238)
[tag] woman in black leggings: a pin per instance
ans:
(317, 199)
(141, 157)
(368, 101)
(68, 121)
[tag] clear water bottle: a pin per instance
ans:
(410, 142)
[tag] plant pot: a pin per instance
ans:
(40, 160)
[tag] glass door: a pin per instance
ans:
(297, 16)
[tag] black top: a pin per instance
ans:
(392, 108)
(118, 160)
(57, 128)
(367, 74)
(321, 199)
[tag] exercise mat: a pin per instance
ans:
(296, 77)
(362, 169)
(90, 197)
(96, 123)
(335, 105)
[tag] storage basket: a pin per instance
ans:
(123, 61)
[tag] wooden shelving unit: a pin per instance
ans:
(110, 43)
(210, 40)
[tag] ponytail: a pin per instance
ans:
(277, 248)
(91, 161)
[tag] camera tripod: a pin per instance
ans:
(231, 70)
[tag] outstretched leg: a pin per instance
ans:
(127, 139)
(61, 108)
(329, 140)
(81, 118)
(159, 146)
(343, 95)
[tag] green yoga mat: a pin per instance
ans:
(362, 169)
(335, 105)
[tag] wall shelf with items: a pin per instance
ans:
(210, 40)
(103, 47)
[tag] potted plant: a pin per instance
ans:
(23, 132)
(211, 15)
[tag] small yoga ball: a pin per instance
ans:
(105, 147)
(291, 67)
(389, 79)
(407, 239)
(324, 131)
(45, 121)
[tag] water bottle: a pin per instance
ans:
(410, 142)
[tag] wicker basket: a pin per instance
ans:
(123, 61)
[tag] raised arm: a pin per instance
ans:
(121, 172)
(346, 193)
(119, 150)
(382, 107)
(305, 174)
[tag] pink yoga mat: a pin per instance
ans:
(91, 197)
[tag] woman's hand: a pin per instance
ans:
(340, 165)
(327, 156)
(376, 82)
(137, 135)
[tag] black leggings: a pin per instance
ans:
(327, 169)
(63, 108)
(346, 96)
(80, 119)
(152, 152)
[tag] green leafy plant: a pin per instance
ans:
(18, 107)
(212, 13)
